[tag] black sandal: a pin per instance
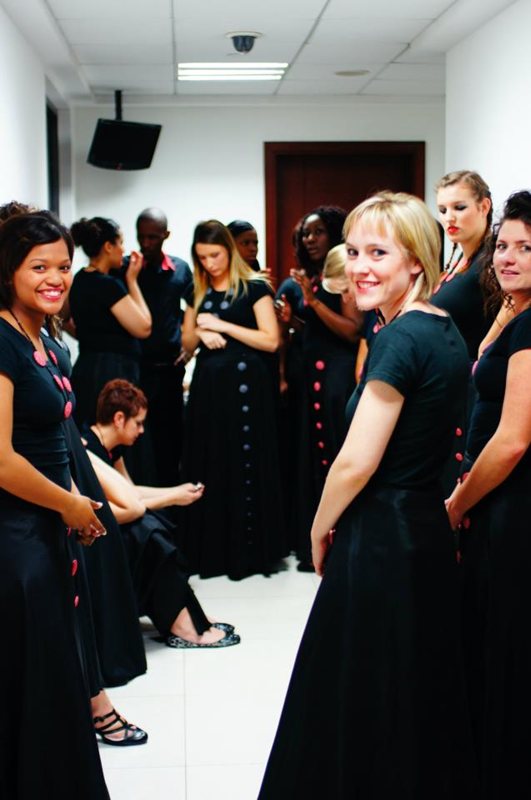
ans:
(132, 735)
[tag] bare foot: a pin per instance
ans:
(184, 627)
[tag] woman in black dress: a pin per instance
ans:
(465, 211)
(376, 706)
(158, 568)
(319, 370)
(47, 740)
(231, 424)
(109, 317)
(493, 506)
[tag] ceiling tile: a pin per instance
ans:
(246, 13)
(149, 53)
(114, 9)
(128, 73)
(416, 72)
(435, 88)
(420, 9)
(416, 56)
(130, 32)
(350, 51)
(313, 71)
(360, 30)
(339, 86)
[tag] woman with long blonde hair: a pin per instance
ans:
(231, 429)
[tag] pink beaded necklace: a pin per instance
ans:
(61, 381)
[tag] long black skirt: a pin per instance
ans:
(376, 707)
(496, 558)
(47, 745)
(231, 445)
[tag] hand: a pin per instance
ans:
(283, 310)
(283, 387)
(135, 265)
(455, 514)
(183, 357)
(212, 340)
(188, 493)
(80, 515)
(300, 277)
(210, 322)
(320, 547)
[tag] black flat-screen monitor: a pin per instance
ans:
(123, 145)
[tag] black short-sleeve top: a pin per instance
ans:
(424, 357)
(38, 407)
(490, 377)
(92, 296)
(460, 295)
(238, 310)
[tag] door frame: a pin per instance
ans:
(274, 151)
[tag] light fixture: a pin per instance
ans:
(223, 71)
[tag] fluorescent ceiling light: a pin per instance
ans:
(223, 71)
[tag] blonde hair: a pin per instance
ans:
(334, 266)
(240, 273)
(409, 221)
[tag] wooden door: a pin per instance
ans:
(302, 175)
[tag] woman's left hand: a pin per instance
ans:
(320, 547)
(455, 514)
(210, 322)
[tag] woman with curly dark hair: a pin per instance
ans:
(319, 368)
(492, 505)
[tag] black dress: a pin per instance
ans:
(461, 296)
(231, 445)
(47, 745)
(320, 372)
(158, 568)
(496, 556)
(376, 706)
(106, 350)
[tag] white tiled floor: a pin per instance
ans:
(211, 715)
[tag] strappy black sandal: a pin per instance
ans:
(132, 735)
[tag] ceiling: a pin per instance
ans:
(89, 49)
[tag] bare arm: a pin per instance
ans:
(347, 325)
(20, 478)
(121, 495)
(507, 446)
(365, 444)
(267, 335)
(154, 497)
(132, 311)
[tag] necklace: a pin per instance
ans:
(61, 381)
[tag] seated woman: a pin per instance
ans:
(158, 569)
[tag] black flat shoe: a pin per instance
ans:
(184, 644)
(132, 734)
(223, 626)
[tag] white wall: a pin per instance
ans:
(23, 174)
(209, 160)
(488, 109)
